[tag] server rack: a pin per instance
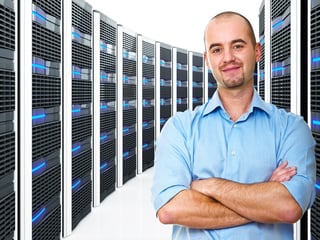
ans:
(163, 84)
(315, 108)
(77, 112)
(46, 130)
(289, 46)
(196, 79)
(146, 102)
(7, 118)
(212, 84)
(127, 105)
(262, 38)
(180, 79)
(105, 79)
(280, 54)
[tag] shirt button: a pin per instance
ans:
(233, 152)
(234, 125)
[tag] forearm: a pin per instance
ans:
(267, 202)
(193, 209)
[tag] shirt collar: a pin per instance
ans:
(215, 103)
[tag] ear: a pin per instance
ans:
(206, 58)
(258, 52)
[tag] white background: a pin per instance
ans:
(179, 23)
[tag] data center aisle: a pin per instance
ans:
(126, 214)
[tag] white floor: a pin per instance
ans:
(126, 214)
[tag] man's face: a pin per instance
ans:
(230, 52)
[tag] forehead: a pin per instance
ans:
(227, 28)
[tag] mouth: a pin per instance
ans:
(230, 69)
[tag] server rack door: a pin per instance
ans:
(8, 116)
(104, 106)
(127, 132)
(314, 88)
(40, 106)
(164, 81)
(146, 103)
(181, 100)
(196, 71)
(77, 112)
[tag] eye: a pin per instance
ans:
(216, 50)
(238, 46)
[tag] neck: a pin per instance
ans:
(236, 102)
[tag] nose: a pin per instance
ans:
(228, 55)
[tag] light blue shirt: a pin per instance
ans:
(205, 143)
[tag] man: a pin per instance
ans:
(235, 167)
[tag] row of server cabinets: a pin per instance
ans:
(289, 75)
(82, 101)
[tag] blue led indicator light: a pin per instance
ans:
(38, 15)
(76, 35)
(39, 167)
(103, 166)
(39, 214)
(316, 59)
(76, 184)
(76, 148)
(277, 24)
(316, 122)
(39, 116)
(35, 65)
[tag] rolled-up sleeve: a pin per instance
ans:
(299, 151)
(172, 163)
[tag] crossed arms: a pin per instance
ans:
(220, 203)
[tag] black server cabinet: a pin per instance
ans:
(7, 109)
(261, 65)
(165, 80)
(315, 108)
(146, 108)
(280, 53)
(128, 135)
(46, 122)
(81, 110)
(107, 79)
(197, 79)
(212, 84)
(182, 79)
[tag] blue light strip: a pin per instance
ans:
(38, 15)
(39, 167)
(76, 148)
(39, 116)
(76, 184)
(145, 145)
(277, 24)
(103, 137)
(316, 59)
(277, 69)
(316, 122)
(38, 215)
(36, 65)
(76, 110)
(103, 166)
(125, 154)
(317, 186)
(76, 35)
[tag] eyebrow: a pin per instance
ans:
(239, 40)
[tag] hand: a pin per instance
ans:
(283, 173)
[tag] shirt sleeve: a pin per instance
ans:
(298, 149)
(172, 162)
